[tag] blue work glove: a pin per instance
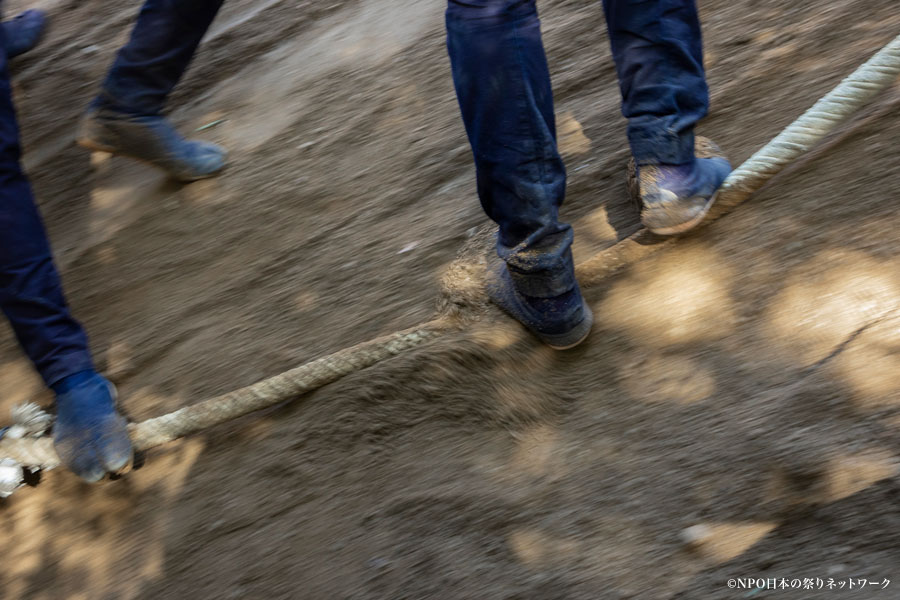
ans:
(90, 437)
(23, 32)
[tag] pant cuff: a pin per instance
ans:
(541, 275)
(108, 101)
(63, 366)
(660, 146)
(542, 285)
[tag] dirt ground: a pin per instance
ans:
(745, 380)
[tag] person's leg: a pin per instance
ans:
(658, 50)
(127, 116)
(503, 86)
(162, 45)
(90, 437)
(31, 293)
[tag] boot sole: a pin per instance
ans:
(687, 225)
(557, 341)
(580, 332)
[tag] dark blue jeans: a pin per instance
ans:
(146, 69)
(31, 294)
(161, 47)
(503, 86)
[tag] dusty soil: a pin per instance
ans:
(745, 380)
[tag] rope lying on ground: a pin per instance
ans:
(875, 75)
(39, 452)
(872, 77)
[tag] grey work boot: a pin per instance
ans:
(151, 139)
(675, 198)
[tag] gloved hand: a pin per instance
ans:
(23, 32)
(90, 437)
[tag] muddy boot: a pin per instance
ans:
(675, 198)
(151, 139)
(561, 322)
(23, 32)
(90, 437)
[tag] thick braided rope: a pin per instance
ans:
(36, 453)
(284, 386)
(39, 452)
(875, 75)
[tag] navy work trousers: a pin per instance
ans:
(146, 69)
(161, 47)
(503, 86)
(31, 294)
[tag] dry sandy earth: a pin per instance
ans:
(745, 379)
